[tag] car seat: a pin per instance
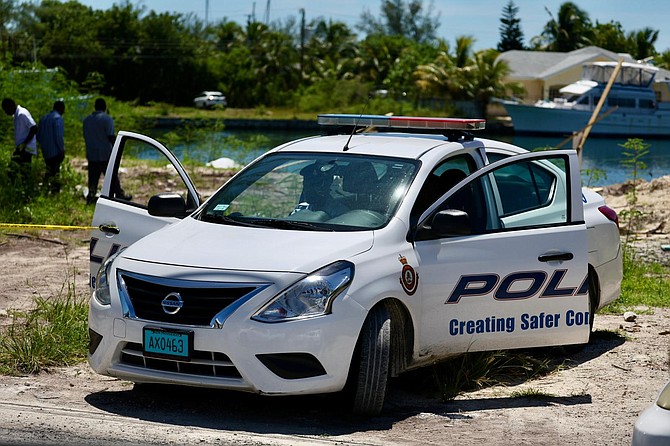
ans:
(360, 184)
(434, 187)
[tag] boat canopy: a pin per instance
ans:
(578, 88)
(633, 74)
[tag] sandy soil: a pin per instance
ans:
(593, 399)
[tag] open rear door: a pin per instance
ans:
(513, 274)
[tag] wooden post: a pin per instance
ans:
(596, 111)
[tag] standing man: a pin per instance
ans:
(50, 134)
(25, 145)
(99, 137)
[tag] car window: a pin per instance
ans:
(523, 187)
(475, 199)
(330, 192)
(443, 177)
(495, 156)
(524, 194)
(533, 193)
(152, 173)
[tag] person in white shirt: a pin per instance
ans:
(25, 129)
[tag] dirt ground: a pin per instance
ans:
(593, 399)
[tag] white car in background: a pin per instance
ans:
(210, 99)
(333, 263)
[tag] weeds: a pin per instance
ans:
(532, 393)
(644, 285)
(53, 334)
(593, 176)
(472, 371)
(26, 199)
(610, 335)
(633, 151)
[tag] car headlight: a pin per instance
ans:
(664, 398)
(310, 297)
(102, 293)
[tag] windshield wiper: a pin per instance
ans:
(262, 222)
(214, 218)
(288, 224)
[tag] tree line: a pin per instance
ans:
(137, 55)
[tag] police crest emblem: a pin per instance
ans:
(409, 279)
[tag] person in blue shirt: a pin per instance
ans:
(99, 138)
(51, 136)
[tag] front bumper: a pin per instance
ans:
(294, 357)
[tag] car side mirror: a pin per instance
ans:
(451, 222)
(167, 205)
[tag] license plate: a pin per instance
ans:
(169, 344)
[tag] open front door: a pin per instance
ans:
(503, 259)
(121, 222)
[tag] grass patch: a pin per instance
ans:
(473, 371)
(610, 335)
(532, 393)
(644, 285)
(53, 334)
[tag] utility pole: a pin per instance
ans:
(302, 40)
(206, 13)
(267, 13)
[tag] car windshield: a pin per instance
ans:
(307, 191)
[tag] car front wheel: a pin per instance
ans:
(370, 370)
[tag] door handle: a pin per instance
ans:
(560, 257)
(109, 228)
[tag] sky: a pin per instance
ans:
(477, 18)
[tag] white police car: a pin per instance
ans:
(336, 262)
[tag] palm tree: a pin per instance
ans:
(663, 60)
(441, 75)
(483, 80)
(572, 29)
(642, 43)
(330, 52)
(478, 78)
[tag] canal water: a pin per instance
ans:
(602, 154)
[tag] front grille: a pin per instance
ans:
(202, 363)
(201, 301)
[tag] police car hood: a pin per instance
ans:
(193, 243)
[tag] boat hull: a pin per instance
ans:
(531, 119)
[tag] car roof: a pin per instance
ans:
(402, 145)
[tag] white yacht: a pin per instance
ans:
(642, 104)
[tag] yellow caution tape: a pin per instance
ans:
(54, 227)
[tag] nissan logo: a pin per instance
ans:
(172, 303)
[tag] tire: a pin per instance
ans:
(593, 299)
(370, 371)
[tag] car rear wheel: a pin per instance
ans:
(593, 305)
(371, 369)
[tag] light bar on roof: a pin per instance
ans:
(404, 122)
